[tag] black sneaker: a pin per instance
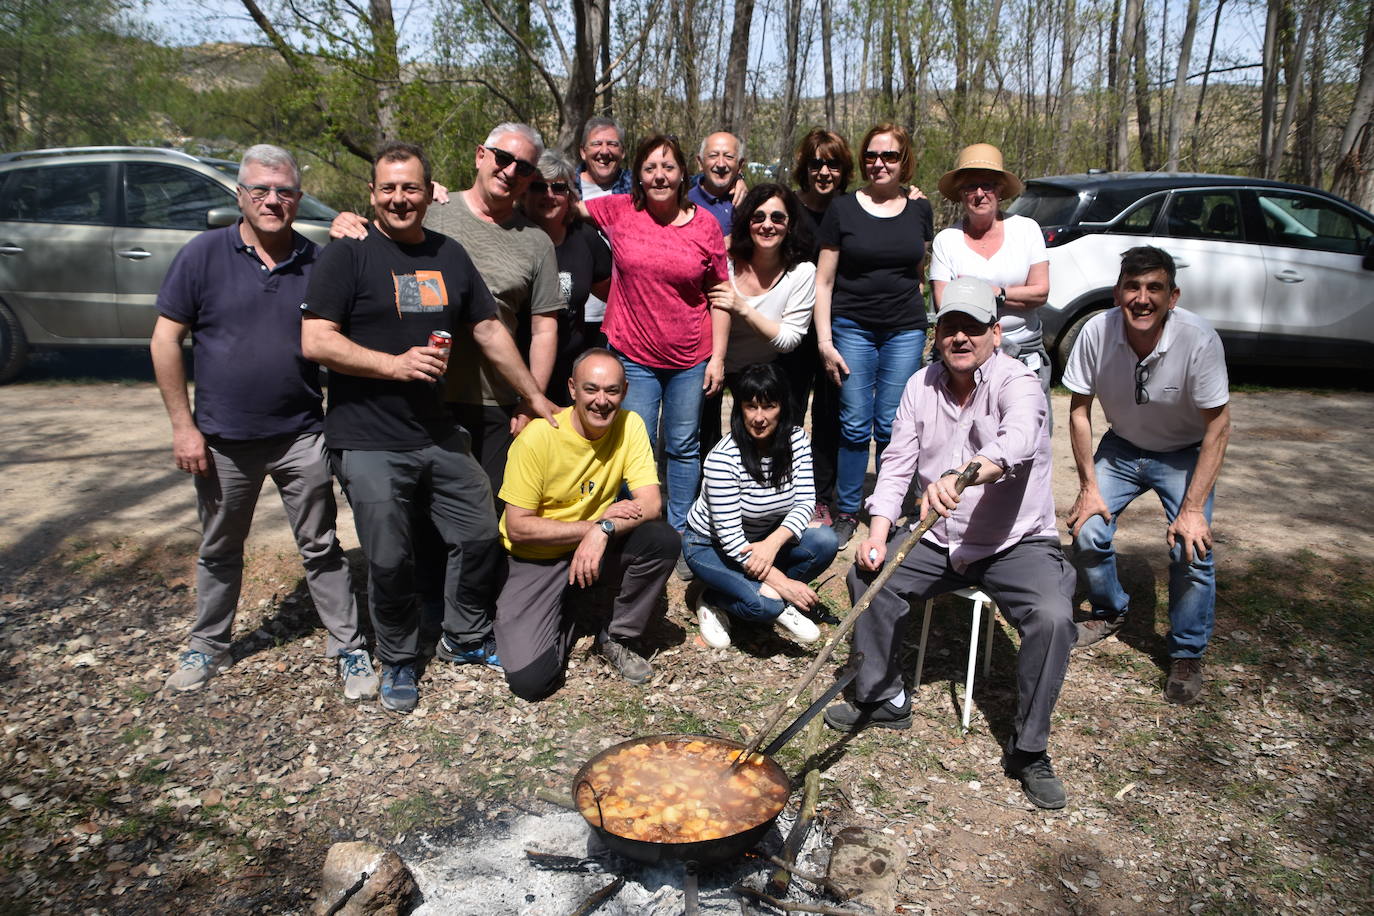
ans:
(1185, 681)
(1096, 629)
(846, 523)
(855, 717)
(1036, 775)
(479, 652)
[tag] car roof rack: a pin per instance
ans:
(55, 152)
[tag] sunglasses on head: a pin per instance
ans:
(778, 217)
(542, 187)
(890, 156)
(816, 163)
(504, 159)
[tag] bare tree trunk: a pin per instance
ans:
(589, 19)
(1067, 53)
(1308, 142)
(958, 12)
(1185, 55)
(1354, 174)
(1144, 124)
(887, 102)
(986, 45)
(1276, 146)
(1129, 33)
(791, 91)
(689, 62)
(1269, 92)
(827, 56)
(1202, 90)
(607, 95)
(904, 47)
(736, 66)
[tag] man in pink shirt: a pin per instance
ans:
(999, 535)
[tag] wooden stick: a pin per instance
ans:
(789, 906)
(777, 884)
(820, 881)
(967, 476)
(600, 897)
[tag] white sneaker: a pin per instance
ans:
(360, 680)
(715, 625)
(799, 625)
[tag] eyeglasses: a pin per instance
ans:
(815, 164)
(504, 159)
(259, 192)
(987, 187)
(543, 187)
(778, 217)
(889, 156)
(1142, 375)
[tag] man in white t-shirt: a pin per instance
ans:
(1160, 374)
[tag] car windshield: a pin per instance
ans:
(310, 208)
(1048, 206)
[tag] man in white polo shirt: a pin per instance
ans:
(1160, 374)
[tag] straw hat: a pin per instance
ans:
(983, 156)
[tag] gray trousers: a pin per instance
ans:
(226, 500)
(385, 489)
(1031, 582)
(534, 636)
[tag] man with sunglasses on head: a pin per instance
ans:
(975, 405)
(1160, 374)
(258, 413)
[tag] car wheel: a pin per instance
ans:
(1064, 346)
(14, 347)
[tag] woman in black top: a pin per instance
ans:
(584, 264)
(870, 309)
(822, 171)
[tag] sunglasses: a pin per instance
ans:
(889, 156)
(1142, 375)
(778, 217)
(816, 164)
(503, 160)
(259, 192)
(542, 187)
(987, 187)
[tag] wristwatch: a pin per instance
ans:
(607, 526)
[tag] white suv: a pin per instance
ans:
(1285, 273)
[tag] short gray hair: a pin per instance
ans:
(273, 157)
(739, 146)
(557, 167)
(601, 123)
(514, 127)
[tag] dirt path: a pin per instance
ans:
(93, 462)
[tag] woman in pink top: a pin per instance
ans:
(668, 255)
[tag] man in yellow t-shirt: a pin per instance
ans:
(566, 527)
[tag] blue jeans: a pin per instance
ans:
(678, 392)
(1123, 473)
(731, 589)
(880, 364)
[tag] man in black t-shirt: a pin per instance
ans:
(368, 313)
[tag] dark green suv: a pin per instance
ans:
(87, 234)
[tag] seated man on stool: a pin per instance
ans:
(565, 528)
(976, 404)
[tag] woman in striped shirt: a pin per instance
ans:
(747, 538)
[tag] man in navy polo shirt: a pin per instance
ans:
(258, 412)
(721, 158)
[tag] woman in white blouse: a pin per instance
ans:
(748, 538)
(1007, 252)
(772, 289)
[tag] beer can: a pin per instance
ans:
(441, 340)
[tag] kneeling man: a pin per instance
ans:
(999, 535)
(565, 528)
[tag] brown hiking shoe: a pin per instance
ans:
(1096, 629)
(1185, 681)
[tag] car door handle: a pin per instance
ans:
(8, 248)
(134, 254)
(1289, 276)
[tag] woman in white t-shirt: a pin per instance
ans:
(772, 289)
(1007, 252)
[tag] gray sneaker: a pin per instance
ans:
(632, 667)
(194, 670)
(360, 681)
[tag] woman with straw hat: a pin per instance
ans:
(1007, 252)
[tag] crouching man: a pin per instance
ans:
(999, 535)
(566, 528)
